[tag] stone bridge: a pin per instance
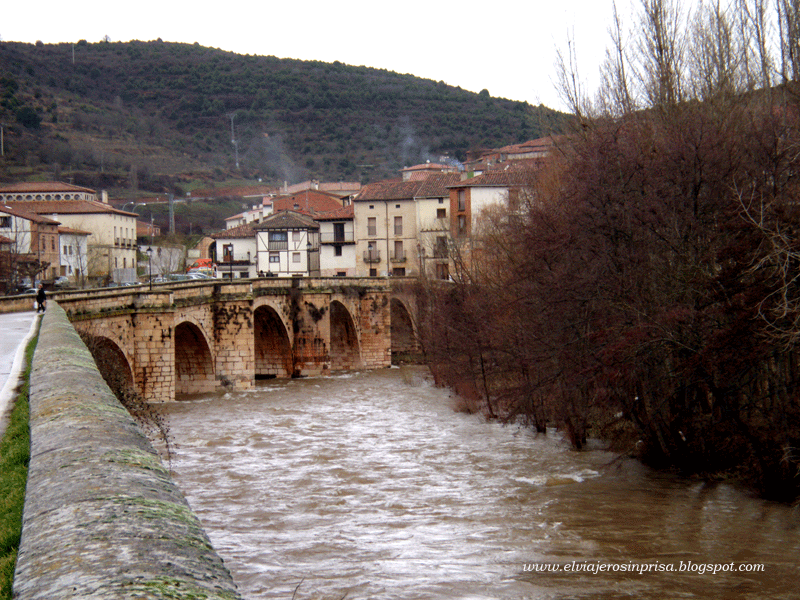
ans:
(197, 337)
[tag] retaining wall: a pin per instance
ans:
(102, 518)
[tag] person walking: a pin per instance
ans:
(41, 298)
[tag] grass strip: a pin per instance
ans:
(15, 452)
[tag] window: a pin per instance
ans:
(399, 271)
(373, 272)
(398, 251)
(462, 200)
(462, 224)
(278, 240)
(65, 251)
(338, 232)
(372, 226)
(274, 257)
(297, 236)
(53, 244)
(124, 263)
(440, 250)
(442, 271)
(337, 250)
(398, 225)
(441, 213)
(5, 222)
(296, 257)
(341, 273)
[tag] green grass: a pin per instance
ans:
(14, 457)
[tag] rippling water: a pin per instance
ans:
(370, 485)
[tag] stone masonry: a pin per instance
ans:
(102, 518)
(198, 337)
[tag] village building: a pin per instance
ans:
(32, 246)
(287, 245)
(337, 243)
(74, 244)
(112, 241)
(47, 190)
(234, 252)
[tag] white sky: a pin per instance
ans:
(506, 47)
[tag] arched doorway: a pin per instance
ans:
(194, 366)
(345, 353)
(273, 351)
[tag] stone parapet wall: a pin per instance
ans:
(102, 517)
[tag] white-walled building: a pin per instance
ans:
(287, 244)
(74, 245)
(337, 243)
(235, 252)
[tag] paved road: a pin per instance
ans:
(15, 331)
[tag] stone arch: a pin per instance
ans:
(345, 351)
(194, 365)
(404, 339)
(272, 347)
(111, 361)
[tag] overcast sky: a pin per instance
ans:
(508, 48)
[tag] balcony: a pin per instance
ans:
(399, 257)
(372, 256)
(278, 245)
(329, 237)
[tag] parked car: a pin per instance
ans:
(61, 282)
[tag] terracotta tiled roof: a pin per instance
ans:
(506, 178)
(12, 209)
(70, 207)
(287, 219)
(388, 190)
(70, 231)
(241, 231)
(344, 213)
(435, 186)
(5, 240)
(44, 187)
(308, 202)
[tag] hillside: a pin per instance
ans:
(159, 116)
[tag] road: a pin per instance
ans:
(15, 331)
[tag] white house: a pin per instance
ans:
(74, 244)
(287, 244)
(337, 244)
(235, 252)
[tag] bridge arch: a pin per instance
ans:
(194, 364)
(111, 361)
(404, 337)
(272, 347)
(345, 349)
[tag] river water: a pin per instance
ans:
(370, 485)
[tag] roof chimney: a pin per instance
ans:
(104, 196)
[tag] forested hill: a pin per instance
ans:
(153, 114)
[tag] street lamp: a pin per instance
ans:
(150, 265)
(229, 251)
